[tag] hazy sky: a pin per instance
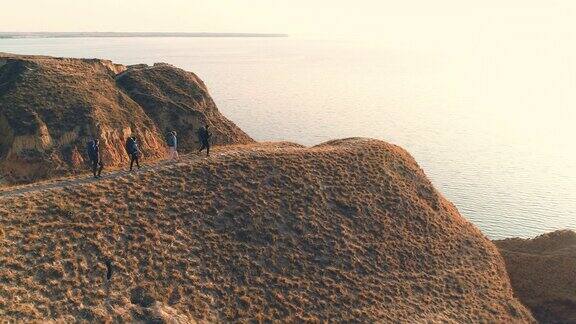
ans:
(518, 45)
(312, 17)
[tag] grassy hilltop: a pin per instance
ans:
(349, 230)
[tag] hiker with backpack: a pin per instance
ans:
(204, 136)
(93, 150)
(133, 151)
(172, 146)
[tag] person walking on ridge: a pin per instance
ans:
(172, 146)
(204, 136)
(133, 151)
(95, 160)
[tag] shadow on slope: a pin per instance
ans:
(542, 272)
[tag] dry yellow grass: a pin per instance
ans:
(350, 230)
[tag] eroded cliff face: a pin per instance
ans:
(178, 100)
(51, 107)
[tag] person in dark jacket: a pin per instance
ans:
(133, 151)
(95, 159)
(204, 136)
(172, 146)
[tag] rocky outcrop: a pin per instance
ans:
(176, 99)
(351, 231)
(543, 274)
(50, 108)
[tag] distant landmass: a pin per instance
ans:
(113, 34)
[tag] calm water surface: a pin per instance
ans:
(495, 130)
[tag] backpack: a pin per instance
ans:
(127, 145)
(134, 146)
(90, 149)
(171, 141)
(130, 145)
(201, 133)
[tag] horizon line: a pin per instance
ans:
(16, 35)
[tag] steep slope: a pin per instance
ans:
(50, 107)
(176, 99)
(350, 230)
(543, 271)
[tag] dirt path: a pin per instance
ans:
(88, 178)
(74, 181)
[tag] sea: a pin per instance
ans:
(494, 128)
